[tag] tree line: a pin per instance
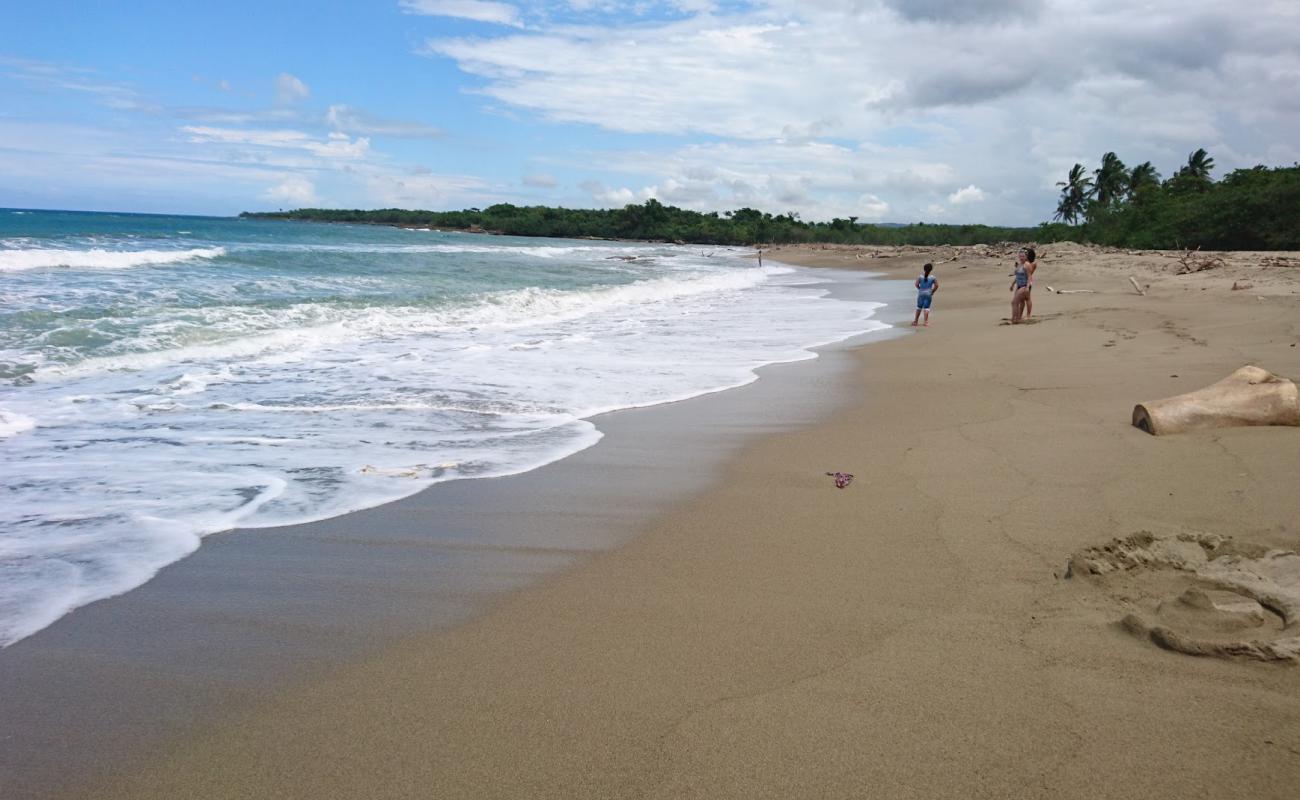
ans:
(1249, 209)
(654, 221)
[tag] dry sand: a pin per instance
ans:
(908, 636)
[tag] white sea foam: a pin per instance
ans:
(13, 423)
(98, 258)
(258, 332)
(497, 250)
(269, 401)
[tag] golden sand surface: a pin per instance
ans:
(910, 636)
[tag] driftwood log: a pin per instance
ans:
(1249, 396)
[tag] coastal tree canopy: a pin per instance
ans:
(1248, 209)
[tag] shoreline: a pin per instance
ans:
(906, 636)
(253, 611)
(534, 417)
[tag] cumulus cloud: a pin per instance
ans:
(872, 208)
(967, 194)
(1005, 93)
(685, 193)
(292, 190)
(477, 10)
(617, 197)
(816, 179)
(289, 89)
(679, 77)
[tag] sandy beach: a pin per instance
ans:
(911, 635)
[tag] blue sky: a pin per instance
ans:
(890, 110)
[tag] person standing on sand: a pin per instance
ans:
(926, 286)
(1019, 288)
(1032, 265)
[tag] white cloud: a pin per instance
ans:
(336, 146)
(388, 188)
(218, 171)
(62, 77)
(897, 108)
(687, 193)
(293, 190)
(817, 179)
(477, 10)
(872, 208)
(949, 93)
(289, 89)
(614, 198)
(967, 194)
(356, 121)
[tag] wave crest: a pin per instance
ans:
(96, 258)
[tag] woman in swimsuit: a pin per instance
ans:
(1019, 289)
(1032, 265)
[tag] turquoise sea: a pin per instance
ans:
(163, 378)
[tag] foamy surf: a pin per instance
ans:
(325, 369)
(96, 258)
(12, 424)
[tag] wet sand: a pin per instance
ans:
(911, 635)
(255, 611)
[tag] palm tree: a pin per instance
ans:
(1143, 176)
(1195, 174)
(1199, 165)
(1074, 195)
(1110, 180)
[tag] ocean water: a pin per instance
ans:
(165, 378)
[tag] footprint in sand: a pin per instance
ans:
(1201, 594)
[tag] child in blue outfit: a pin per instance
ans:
(926, 286)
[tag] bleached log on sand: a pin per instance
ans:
(1249, 396)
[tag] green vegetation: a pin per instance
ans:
(1249, 209)
(654, 221)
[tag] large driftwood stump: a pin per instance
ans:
(1249, 396)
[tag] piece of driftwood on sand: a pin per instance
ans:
(1249, 396)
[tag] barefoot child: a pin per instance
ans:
(926, 286)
